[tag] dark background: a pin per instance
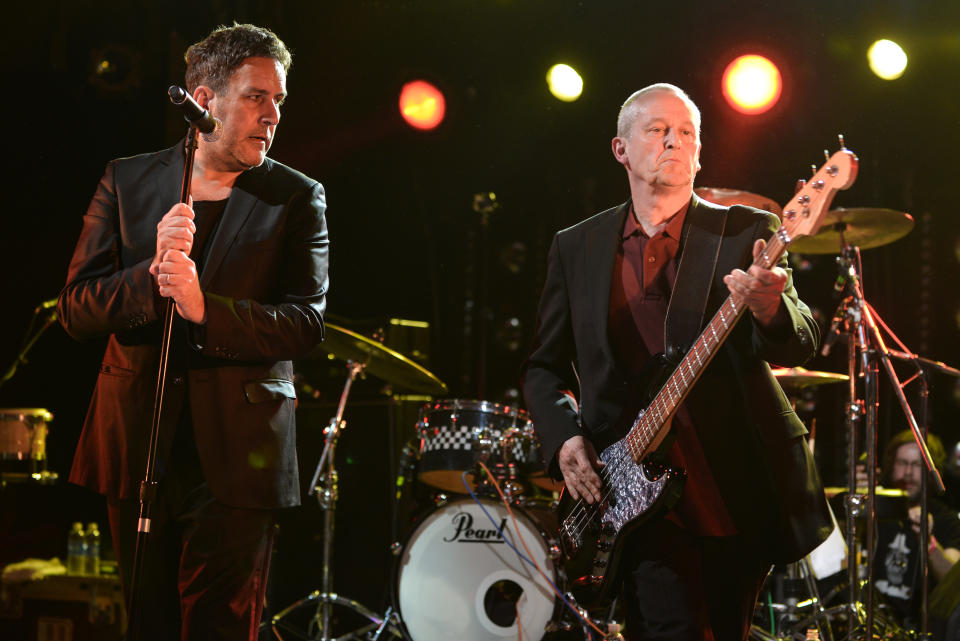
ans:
(406, 242)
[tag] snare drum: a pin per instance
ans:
(455, 433)
(23, 442)
(458, 579)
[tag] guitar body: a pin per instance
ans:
(593, 550)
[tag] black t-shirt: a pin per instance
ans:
(896, 563)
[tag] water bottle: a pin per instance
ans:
(92, 557)
(76, 549)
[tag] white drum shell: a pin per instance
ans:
(451, 561)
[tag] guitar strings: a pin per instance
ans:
(584, 512)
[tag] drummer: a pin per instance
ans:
(897, 559)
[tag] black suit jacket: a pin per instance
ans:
(753, 440)
(265, 283)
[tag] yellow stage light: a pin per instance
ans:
(752, 84)
(887, 59)
(564, 82)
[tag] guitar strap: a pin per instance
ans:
(699, 251)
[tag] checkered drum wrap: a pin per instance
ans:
(450, 431)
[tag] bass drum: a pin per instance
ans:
(457, 578)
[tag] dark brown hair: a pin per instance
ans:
(213, 60)
(934, 444)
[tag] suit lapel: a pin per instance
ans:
(702, 238)
(239, 207)
(169, 182)
(598, 256)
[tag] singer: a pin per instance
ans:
(246, 266)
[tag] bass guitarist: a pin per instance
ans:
(620, 290)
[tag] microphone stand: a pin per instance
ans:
(30, 340)
(325, 486)
(148, 487)
(860, 322)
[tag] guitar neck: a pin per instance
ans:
(654, 422)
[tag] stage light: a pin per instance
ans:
(887, 59)
(422, 105)
(564, 82)
(751, 84)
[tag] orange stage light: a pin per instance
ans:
(752, 84)
(422, 105)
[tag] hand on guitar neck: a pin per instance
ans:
(758, 288)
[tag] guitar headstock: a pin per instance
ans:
(804, 213)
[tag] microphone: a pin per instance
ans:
(832, 335)
(193, 112)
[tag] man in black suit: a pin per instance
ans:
(246, 266)
(623, 285)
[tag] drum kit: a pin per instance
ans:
(467, 568)
(23, 446)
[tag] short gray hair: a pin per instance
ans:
(628, 111)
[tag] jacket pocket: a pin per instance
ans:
(115, 370)
(269, 389)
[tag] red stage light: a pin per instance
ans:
(422, 105)
(752, 84)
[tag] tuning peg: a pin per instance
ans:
(800, 184)
(842, 146)
(826, 154)
(813, 170)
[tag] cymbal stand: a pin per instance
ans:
(860, 325)
(324, 486)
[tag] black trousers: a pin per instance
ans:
(682, 587)
(205, 569)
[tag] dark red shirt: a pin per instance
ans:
(644, 271)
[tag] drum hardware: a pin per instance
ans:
(795, 378)
(866, 350)
(379, 360)
(361, 354)
(860, 228)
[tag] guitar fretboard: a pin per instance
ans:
(654, 420)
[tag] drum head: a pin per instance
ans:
(458, 579)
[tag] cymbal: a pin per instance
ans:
(722, 196)
(378, 359)
(880, 491)
(862, 227)
(798, 377)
